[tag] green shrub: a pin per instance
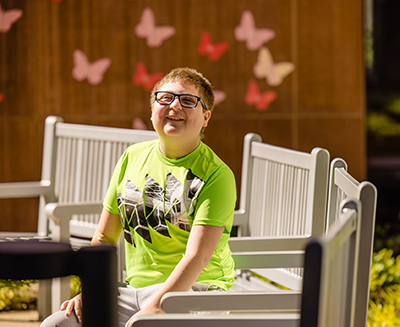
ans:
(22, 294)
(75, 286)
(16, 295)
(384, 302)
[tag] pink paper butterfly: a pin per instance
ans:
(260, 100)
(274, 73)
(207, 48)
(219, 96)
(247, 31)
(144, 79)
(9, 17)
(154, 35)
(92, 71)
(138, 123)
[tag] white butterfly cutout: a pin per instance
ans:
(8, 17)
(92, 71)
(154, 35)
(255, 37)
(219, 96)
(274, 73)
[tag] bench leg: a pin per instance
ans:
(44, 299)
(60, 292)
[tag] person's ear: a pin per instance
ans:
(207, 116)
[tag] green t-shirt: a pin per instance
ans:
(160, 199)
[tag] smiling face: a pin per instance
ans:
(173, 123)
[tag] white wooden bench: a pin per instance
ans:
(341, 186)
(78, 161)
(283, 201)
(330, 278)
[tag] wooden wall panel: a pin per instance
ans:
(321, 103)
(330, 70)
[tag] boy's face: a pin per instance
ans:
(174, 120)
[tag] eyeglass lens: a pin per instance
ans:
(187, 101)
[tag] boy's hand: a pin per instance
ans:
(73, 304)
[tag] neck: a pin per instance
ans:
(176, 150)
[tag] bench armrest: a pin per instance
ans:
(268, 259)
(24, 189)
(61, 215)
(263, 243)
(185, 302)
(237, 320)
(58, 212)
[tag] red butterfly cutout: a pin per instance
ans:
(207, 48)
(142, 78)
(1, 97)
(260, 100)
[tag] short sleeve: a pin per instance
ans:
(217, 199)
(110, 200)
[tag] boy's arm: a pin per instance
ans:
(203, 240)
(108, 230)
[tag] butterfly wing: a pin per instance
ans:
(245, 27)
(258, 38)
(9, 17)
(213, 51)
(81, 65)
(260, 100)
(247, 31)
(219, 96)
(265, 100)
(158, 35)
(264, 63)
(140, 74)
(217, 50)
(146, 24)
(279, 72)
(97, 70)
(1, 97)
(252, 94)
(142, 78)
(205, 43)
(146, 28)
(151, 80)
(138, 123)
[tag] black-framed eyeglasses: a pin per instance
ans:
(186, 100)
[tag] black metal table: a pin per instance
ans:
(96, 266)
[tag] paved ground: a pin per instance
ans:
(22, 318)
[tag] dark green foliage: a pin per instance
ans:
(384, 302)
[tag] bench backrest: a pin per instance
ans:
(283, 193)
(78, 160)
(341, 186)
(330, 272)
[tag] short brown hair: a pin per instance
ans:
(189, 76)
